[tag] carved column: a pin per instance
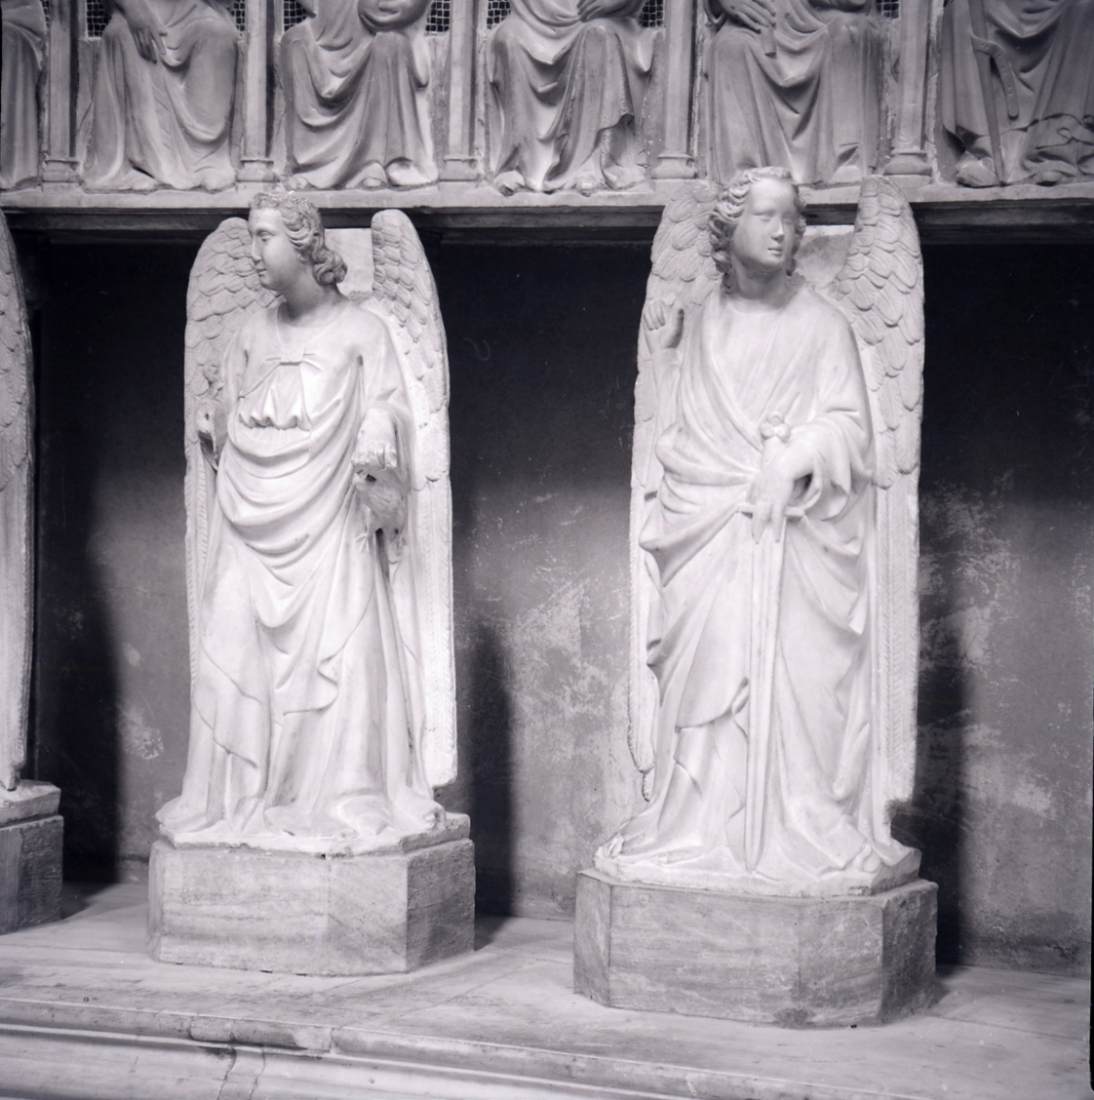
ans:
(460, 162)
(675, 160)
(60, 159)
(909, 156)
(256, 164)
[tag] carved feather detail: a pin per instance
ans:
(224, 288)
(404, 294)
(15, 363)
(681, 278)
(880, 290)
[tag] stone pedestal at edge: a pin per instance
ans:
(376, 913)
(796, 962)
(31, 835)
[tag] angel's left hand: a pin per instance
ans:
(377, 447)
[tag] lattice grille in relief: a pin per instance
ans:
(94, 18)
(496, 11)
(653, 14)
(889, 8)
(439, 18)
(292, 12)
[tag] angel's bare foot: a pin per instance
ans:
(217, 179)
(1048, 177)
(402, 173)
(510, 182)
(974, 171)
(867, 860)
(298, 182)
(621, 176)
(373, 177)
(848, 172)
(587, 184)
(129, 180)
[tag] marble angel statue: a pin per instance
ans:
(318, 541)
(774, 538)
(16, 563)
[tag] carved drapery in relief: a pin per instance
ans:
(356, 77)
(163, 97)
(24, 53)
(805, 95)
(568, 94)
(1024, 69)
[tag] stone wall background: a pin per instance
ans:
(542, 338)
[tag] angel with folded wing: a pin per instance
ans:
(319, 552)
(774, 542)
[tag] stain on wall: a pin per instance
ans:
(541, 340)
(1003, 804)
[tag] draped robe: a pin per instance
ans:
(24, 51)
(301, 712)
(1048, 45)
(167, 121)
(354, 98)
(741, 369)
(560, 84)
(812, 107)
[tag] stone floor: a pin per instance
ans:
(86, 1015)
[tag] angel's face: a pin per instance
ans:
(766, 234)
(276, 260)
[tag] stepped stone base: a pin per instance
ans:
(311, 914)
(796, 962)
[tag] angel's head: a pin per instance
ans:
(758, 221)
(287, 231)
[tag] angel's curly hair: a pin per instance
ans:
(729, 207)
(304, 227)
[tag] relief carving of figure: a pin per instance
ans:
(773, 544)
(569, 78)
(163, 96)
(794, 83)
(356, 79)
(319, 541)
(1016, 89)
(24, 48)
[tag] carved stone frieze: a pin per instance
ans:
(356, 75)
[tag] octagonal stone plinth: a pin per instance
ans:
(31, 837)
(375, 913)
(796, 962)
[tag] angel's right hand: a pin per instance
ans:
(666, 325)
(755, 15)
(209, 425)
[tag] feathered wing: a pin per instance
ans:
(224, 289)
(15, 526)
(405, 296)
(682, 277)
(880, 289)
